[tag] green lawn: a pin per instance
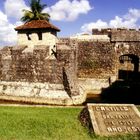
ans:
(35, 123)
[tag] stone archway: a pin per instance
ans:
(129, 66)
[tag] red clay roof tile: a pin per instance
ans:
(37, 24)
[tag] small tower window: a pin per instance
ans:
(28, 36)
(39, 36)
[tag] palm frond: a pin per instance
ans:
(36, 12)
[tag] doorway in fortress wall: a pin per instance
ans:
(129, 67)
(126, 88)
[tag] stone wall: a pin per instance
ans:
(5, 63)
(97, 31)
(87, 37)
(68, 59)
(67, 55)
(125, 35)
(119, 34)
(36, 66)
(25, 64)
(96, 59)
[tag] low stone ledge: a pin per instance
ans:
(93, 84)
(36, 100)
(38, 93)
(46, 101)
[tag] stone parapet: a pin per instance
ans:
(119, 34)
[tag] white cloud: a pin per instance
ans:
(128, 20)
(98, 24)
(120, 22)
(13, 8)
(7, 33)
(133, 13)
(67, 10)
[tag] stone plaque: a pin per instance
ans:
(114, 119)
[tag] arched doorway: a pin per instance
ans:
(129, 67)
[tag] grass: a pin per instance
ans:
(35, 123)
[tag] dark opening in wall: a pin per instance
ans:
(127, 73)
(134, 59)
(54, 33)
(28, 36)
(39, 36)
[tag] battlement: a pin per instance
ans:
(119, 34)
(63, 41)
(106, 31)
(101, 31)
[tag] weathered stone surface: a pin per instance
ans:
(26, 89)
(96, 59)
(93, 86)
(124, 35)
(119, 34)
(69, 58)
(36, 64)
(38, 93)
(29, 66)
(114, 119)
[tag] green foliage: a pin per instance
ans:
(35, 123)
(35, 12)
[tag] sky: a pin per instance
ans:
(71, 16)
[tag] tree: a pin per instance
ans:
(35, 12)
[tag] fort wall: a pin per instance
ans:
(19, 65)
(96, 59)
(69, 60)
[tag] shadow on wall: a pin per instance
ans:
(127, 88)
(66, 83)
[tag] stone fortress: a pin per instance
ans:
(45, 69)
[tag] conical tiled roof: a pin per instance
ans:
(37, 24)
